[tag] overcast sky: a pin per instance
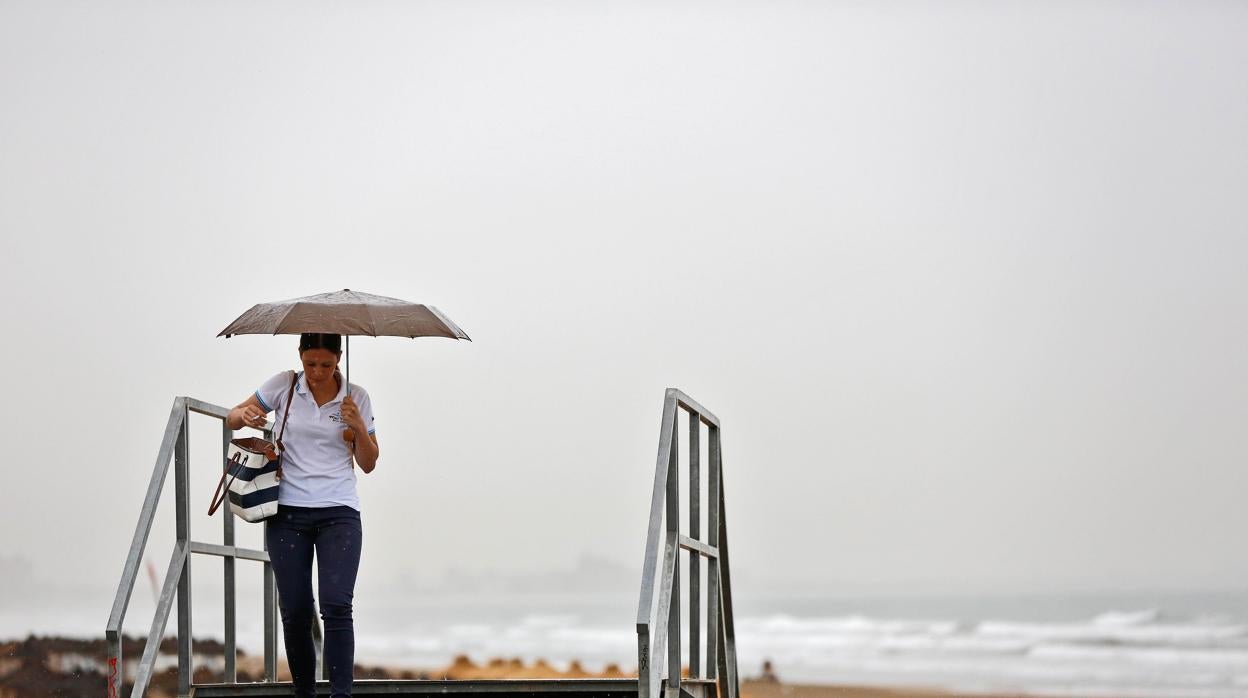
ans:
(965, 281)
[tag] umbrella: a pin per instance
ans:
(346, 312)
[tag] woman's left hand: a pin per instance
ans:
(351, 415)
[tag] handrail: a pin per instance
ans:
(177, 563)
(177, 583)
(659, 656)
(666, 433)
(146, 516)
(129, 573)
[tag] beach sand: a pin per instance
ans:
(758, 689)
(464, 669)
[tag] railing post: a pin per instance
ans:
(713, 645)
(227, 538)
(695, 559)
(269, 586)
(725, 580)
(115, 676)
(270, 616)
(183, 494)
(673, 527)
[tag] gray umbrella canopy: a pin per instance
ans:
(346, 312)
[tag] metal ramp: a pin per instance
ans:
(532, 688)
(666, 637)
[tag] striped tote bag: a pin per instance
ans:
(253, 471)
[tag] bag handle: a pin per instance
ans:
(218, 496)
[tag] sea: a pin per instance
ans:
(1145, 645)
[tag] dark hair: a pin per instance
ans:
(319, 340)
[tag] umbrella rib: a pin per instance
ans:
(372, 320)
(278, 326)
(447, 321)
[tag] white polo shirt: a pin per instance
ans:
(316, 467)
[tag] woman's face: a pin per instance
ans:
(319, 366)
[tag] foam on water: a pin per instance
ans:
(1132, 653)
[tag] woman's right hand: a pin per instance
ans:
(247, 413)
(253, 416)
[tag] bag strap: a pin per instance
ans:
(294, 377)
(281, 447)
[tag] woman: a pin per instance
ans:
(318, 507)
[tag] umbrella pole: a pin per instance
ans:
(348, 381)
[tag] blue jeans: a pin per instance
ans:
(335, 534)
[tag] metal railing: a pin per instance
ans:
(177, 583)
(659, 608)
(659, 656)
